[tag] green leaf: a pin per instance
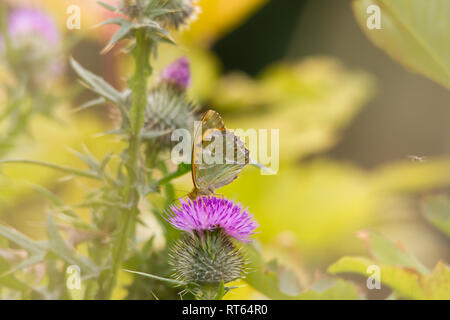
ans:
(151, 276)
(125, 27)
(107, 6)
(437, 211)
(386, 252)
(97, 84)
(288, 282)
(58, 167)
(21, 240)
(221, 292)
(182, 169)
(413, 32)
(37, 251)
(55, 200)
(32, 260)
(437, 285)
(148, 135)
(404, 281)
(59, 247)
(115, 20)
(104, 89)
(91, 103)
(12, 282)
(337, 290)
(266, 279)
(263, 276)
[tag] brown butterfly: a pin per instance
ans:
(212, 141)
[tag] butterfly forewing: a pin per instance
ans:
(218, 155)
(220, 164)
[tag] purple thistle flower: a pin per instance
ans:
(177, 73)
(33, 22)
(36, 39)
(209, 213)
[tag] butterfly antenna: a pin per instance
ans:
(260, 166)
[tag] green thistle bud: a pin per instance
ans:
(168, 109)
(131, 8)
(183, 12)
(206, 259)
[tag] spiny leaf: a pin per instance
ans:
(107, 6)
(151, 276)
(115, 20)
(30, 261)
(59, 247)
(125, 27)
(91, 103)
(58, 167)
(55, 200)
(101, 87)
(21, 240)
(97, 84)
(148, 135)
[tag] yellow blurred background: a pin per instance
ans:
(341, 170)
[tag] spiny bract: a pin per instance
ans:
(207, 258)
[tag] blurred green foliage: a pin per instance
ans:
(309, 212)
(413, 32)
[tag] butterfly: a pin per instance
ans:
(218, 155)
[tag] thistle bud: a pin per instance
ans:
(178, 74)
(168, 109)
(131, 8)
(183, 12)
(207, 258)
(168, 106)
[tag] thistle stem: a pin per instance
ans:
(130, 195)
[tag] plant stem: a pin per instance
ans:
(130, 195)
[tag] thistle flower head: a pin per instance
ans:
(178, 73)
(32, 23)
(35, 38)
(210, 213)
(207, 255)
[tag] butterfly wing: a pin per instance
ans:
(209, 176)
(229, 162)
(211, 120)
(220, 162)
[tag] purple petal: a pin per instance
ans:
(177, 73)
(209, 213)
(33, 22)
